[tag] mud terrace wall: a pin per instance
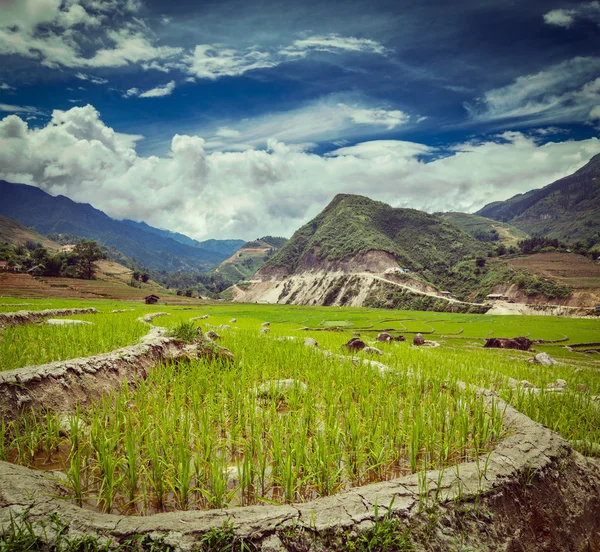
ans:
(27, 317)
(533, 492)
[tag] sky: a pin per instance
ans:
(237, 119)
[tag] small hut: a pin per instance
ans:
(151, 299)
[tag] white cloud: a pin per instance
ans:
(131, 93)
(4, 86)
(566, 17)
(91, 78)
(329, 119)
(75, 101)
(54, 32)
(214, 61)
(561, 93)
(272, 190)
(595, 113)
(332, 43)
(390, 118)
(159, 91)
(18, 108)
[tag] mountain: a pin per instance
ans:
(222, 247)
(244, 263)
(12, 232)
(360, 252)
(485, 229)
(353, 225)
(568, 209)
(49, 214)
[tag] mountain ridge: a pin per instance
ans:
(58, 214)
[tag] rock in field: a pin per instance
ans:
(224, 327)
(372, 351)
(399, 338)
(233, 321)
(266, 324)
(384, 337)
(418, 339)
(264, 330)
(278, 388)
(559, 384)
(518, 343)
(67, 322)
(213, 335)
(355, 344)
(544, 359)
(310, 342)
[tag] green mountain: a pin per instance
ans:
(485, 229)
(353, 224)
(244, 263)
(222, 247)
(568, 209)
(48, 214)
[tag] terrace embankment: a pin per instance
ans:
(533, 492)
(27, 317)
(62, 386)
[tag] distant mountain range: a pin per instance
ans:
(156, 249)
(568, 209)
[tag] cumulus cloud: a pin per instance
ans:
(564, 92)
(4, 86)
(54, 32)
(566, 17)
(272, 190)
(390, 118)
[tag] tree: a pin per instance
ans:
(480, 262)
(145, 277)
(136, 275)
(87, 253)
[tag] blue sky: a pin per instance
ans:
(277, 106)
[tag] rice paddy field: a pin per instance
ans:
(286, 422)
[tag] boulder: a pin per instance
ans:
(384, 337)
(278, 388)
(310, 342)
(264, 330)
(418, 340)
(213, 335)
(372, 351)
(224, 327)
(266, 324)
(559, 384)
(355, 344)
(67, 322)
(233, 321)
(544, 359)
(399, 338)
(518, 343)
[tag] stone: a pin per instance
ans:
(224, 327)
(399, 338)
(518, 343)
(265, 330)
(355, 344)
(418, 339)
(278, 388)
(583, 388)
(66, 322)
(310, 342)
(544, 359)
(526, 384)
(431, 344)
(211, 334)
(384, 337)
(557, 384)
(266, 324)
(233, 321)
(372, 351)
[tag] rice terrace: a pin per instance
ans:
(299, 276)
(260, 418)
